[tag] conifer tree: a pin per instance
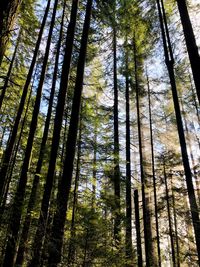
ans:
(56, 240)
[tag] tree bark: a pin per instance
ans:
(192, 47)
(8, 12)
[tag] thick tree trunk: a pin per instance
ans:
(154, 176)
(56, 137)
(56, 241)
(8, 12)
(16, 213)
(190, 43)
(170, 66)
(10, 145)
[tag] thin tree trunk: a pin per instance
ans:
(8, 180)
(195, 100)
(94, 178)
(13, 161)
(44, 253)
(116, 143)
(129, 252)
(191, 154)
(146, 211)
(190, 188)
(85, 263)
(16, 213)
(31, 204)
(2, 136)
(65, 185)
(38, 240)
(169, 219)
(175, 225)
(63, 142)
(137, 226)
(71, 251)
(7, 79)
(8, 11)
(190, 233)
(190, 43)
(10, 145)
(154, 176)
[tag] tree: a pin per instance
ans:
(170, 63)
(56, 136)
(56, 240)
(9, 148)
(8, 12)
(19, 196)
(190, 43)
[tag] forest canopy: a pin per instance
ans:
(99, 133)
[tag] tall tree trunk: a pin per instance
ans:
(129, 252)
(38, 240)
(190, 43)
(154, 176)
(145, 206)
(116, 142)
(94, 165)
(10, 145)
(189, 230)
(171, 235)
(191, 154)
(170, 66)
(16, 213)
(137, 226)
(194, 100)
(8, 11)
(13, 161)
(32, 200)
(71, 251)
(7, 78)
(56, 241)
(175, 224)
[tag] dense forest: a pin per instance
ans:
(99, 133)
